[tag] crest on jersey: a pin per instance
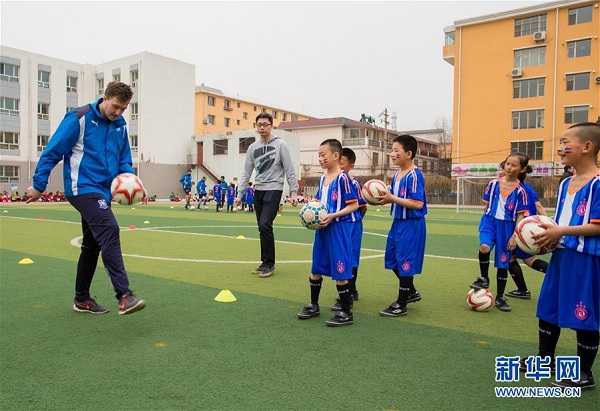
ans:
(334, 195)
(581, 208)
(405, 266)
(340, 267)
(510, 205)
(403, 192)
(580, 312)
(503, 257)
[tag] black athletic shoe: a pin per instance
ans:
(89, 306)
(414, 297)
(337, 305)
(502, 304)
(129, 304)
(586, 382)
(339, 319)
(524, 295)
(355, 296)
(480, 282)
(523, 365)
(394, 310)
(258, 269)
(266, 271)
(309, 311)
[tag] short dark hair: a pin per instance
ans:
(264, 115)
(334, 145)
(567, 168)
(121, 91)
(589, 132)
(408, 143)
(349, 154)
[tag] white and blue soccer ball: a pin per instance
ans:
(311, 214)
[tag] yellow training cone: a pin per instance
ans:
(26, 261)
(225, 296)
(133, 208)
(240, 237)
(378, 210)
(146, 222)
(5, 211)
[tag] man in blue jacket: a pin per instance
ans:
(94, 144)
(186, 182)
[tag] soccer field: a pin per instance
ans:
(188, 351)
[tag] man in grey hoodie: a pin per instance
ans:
(271, 159)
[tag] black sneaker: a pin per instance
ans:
(394, 310)
(337, 305)
(309, 311)
(355, 296)
(524, 295)
(258, 269)
(340, 318)
(414, 297)
(502, 304)
(586, 382)
(480, 282)
(523, 365)
(266, 271)
(89, 306)
(129, 304)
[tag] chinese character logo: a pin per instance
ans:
(507, 369)
(567, 368)
(538, 367)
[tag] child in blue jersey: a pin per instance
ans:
(332, 249)
(570, 294)
(217, 193)
(201, 188)
(405, 247)
(506, 202)
(230, 197)
(250, 197)
(347, 164)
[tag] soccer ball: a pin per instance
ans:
(480, 300)
(311, 214)
(127, 189)
(530, 226)
(373, 190)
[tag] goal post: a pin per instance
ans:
(469, 193)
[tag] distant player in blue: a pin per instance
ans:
(217, 193)
(570, 294)
(186, 182)
(405, 248)
(250, 197)
(347, 164)
(201, 189)
(332, 249)
(506, 203)
(230, 197)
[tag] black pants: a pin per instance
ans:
(266, 204)
(100, 234)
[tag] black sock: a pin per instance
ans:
(548, 338)
(352, 282)
(345, 297)
(502, 278)
(540, 265)
(587, 348)
(517, 275)
(484, 264)
(406, 284)
(315, 290)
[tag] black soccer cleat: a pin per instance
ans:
(586, 382)
(394, 310)
(414, 297)
(502, 304)
(524, 295)
(479, 283)
(309, 311)
(340, 319)
(337, 305)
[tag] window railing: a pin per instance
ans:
(42, 116)
(9, 112)
(43, 84)
(6, 77)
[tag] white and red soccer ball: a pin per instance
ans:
(373, 190)
(480, 300)
(528, 227)
(127, 189)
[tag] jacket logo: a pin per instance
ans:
(102, 204)
(94, 122)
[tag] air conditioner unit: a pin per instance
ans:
(516, 72)
(539, 35)
(598, 80)
(204, 121)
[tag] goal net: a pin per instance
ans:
(469, 193)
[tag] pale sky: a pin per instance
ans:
(324, 59)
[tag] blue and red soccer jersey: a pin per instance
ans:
(410, 187)
(505, 206)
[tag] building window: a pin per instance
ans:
(227, 105)
(263, 110)
(226, 122)
(576, 114)
(9, 174)
(71, 84)
(580, 15)
(237, 122)
(534, 56)
(117, 77)
(534, 149)
(210, 119)
(245, 116)
(274, 115)
(220, 147)
(43, 111)
(238, 104)
(9, 141)
(254, 108)
(42, 142)
(527, 119)
(211, 101)
(43, 79)
(530, 25)
(449, 39)
(133, 109)
(284, 117)
(100, 86)
(578, 81)
(9, 72)
(9, 106)
(133, 143)
(579, 48)
(70, 108)
(534, 87)
(375, 160)
(245, 143)
(134, 76)
(294, 117)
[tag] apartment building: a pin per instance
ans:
(521, 77)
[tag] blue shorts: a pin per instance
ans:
(405, 247)
(332, 251)
(520, 254)
(570, 294)
(496, 234)
(357, 231)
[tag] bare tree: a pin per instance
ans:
(445, 139)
